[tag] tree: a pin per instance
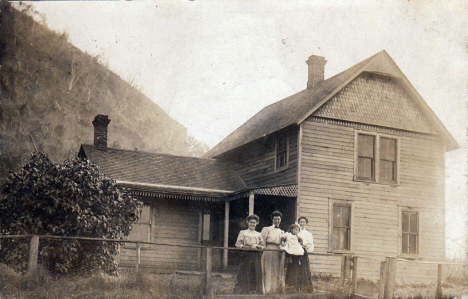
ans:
(67, 199)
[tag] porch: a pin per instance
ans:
(201, 219)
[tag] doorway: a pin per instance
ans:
(264, 205)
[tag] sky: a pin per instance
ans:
(212, 65)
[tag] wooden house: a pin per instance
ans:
(360, 154)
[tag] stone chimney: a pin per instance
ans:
(316, 70)
(100, 123)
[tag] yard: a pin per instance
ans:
(147, 285)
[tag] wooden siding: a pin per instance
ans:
(173, 222)
(327, 173)
(255, 162)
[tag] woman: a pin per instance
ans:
(249, 277)
(298, 275)
(271, 260)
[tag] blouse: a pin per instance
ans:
(272, 235)
(292, 245)
(249, 238)
(307, 240)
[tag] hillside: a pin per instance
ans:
(50, 91)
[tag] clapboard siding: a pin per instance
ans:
(327, 173)
(175, 223)
(255, 161)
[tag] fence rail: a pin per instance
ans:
(348, 281)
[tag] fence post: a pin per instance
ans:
(209, 268)
(383, 278)
(439, 281)
(33, 254)
(354, 285)
(391, 275)
(345, 274)
(343, 271)
(138, 256)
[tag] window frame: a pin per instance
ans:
(150, 223)
(286, 152)
(377, 159)
(402, 209)
(331, 204)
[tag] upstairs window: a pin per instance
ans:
(282, 148)
(366, 157)
(377, 158)
(409, 232)
(388, 157)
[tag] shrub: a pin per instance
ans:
(67, 199)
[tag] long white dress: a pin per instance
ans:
(271, 260)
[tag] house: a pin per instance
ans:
(360, 154)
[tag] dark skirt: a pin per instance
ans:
(298, 276)
(249, 276)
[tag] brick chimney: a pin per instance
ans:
(100, 123)
(316, 70)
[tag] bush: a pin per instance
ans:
(67, 199)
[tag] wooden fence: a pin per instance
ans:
(347, 282)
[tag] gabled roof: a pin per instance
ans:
(296, 108)
(165, 172)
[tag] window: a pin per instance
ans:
(281, 151)
(341, 214)
(209, 226)
(141, 231)
(377, 158)
(206, 226)
(388, 159)
(409, 232)
(366, 156)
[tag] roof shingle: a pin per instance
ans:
(163, 169)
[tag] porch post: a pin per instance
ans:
(251, 203)
(227, 205)
(200, 232)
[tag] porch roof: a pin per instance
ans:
(213, 195)
(152, 170)
(283, 190)
(174, 192)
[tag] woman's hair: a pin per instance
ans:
(253, 216)
(276, 213)
(293, 226)
(303, 217)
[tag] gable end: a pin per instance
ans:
(376, 99)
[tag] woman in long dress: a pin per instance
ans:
(298, 275)
(271, 260)
(249, 276)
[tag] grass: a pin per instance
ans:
(125, 285)
(147, 285)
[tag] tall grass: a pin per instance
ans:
(128, 284)
(124, 285)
